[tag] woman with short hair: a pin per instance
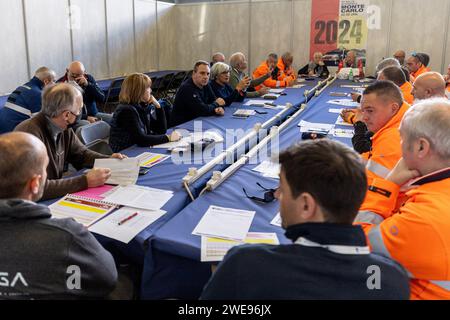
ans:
(220, 78)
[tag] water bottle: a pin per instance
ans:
(350, 75)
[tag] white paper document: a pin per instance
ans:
(192, 137)
(343, 133)
(123, 171)
(260, 102)
(149, 159)
(225, 223)
(333, 110)
(276, 221)
(341, 122)
(214, 249)
(277, 91)
(244, 113)
(140, 197)
(268, 169)
(306, 126)
(298, 86)
(124, 224)
(344, 102)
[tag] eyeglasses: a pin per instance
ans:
(269, 195)
(75, 114)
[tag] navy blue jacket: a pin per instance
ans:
(297, 271)
(226, 92)
(141, 124)
(28, 97)
(192, 102)
(92, 94)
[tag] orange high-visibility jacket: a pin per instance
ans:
(386, 149)
(262, 70)
(406, 89)
(421, 70)
(417, 234)
(285, 73)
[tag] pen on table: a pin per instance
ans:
(127, 218)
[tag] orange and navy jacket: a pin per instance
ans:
(417, 234)
(262, 70)
(406, 89)
(386, 148)
(421, 70)
(285, 73)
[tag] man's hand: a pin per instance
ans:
(401, 174)
(243, 84)
(92, 119)
(82, 81)
(97, 177)
(174, 136)
(348, 114)
(220, 102)
(118, 156)
(219, 111)
(355, 96)
(264, 90)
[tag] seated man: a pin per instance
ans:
(195, 97)
(25, 101)
(400, 56)
(322, 184)
(238, 64)
(428, 85)
(217, 57)
(61, 104)
(376, 128)
(317, 67)
(415, 66)
(43, 258)
(397, 76)
(270, 65)
(351, 61)
(92, 94)
(416, 234)
(286, 71)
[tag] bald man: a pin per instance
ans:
(400, 55)
(40, 255)
(92, 94)
(217, 57)
(428, 85)
(61, 105)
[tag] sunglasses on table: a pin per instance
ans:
(269, 194)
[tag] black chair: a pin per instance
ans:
(95, 136)
(177, 80)
(160, 89)
(112, 96)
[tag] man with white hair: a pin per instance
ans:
(92, 94)
(238, 64)
(428, 85)
(61, 105)
(217, 57)
(25, 101)
(415, 231)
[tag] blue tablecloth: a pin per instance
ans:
(172, 265)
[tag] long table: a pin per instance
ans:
(172, 265)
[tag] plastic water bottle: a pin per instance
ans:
(350, 75)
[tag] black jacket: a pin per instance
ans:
(42, 254)
(192, 102)
(296, 271)
(142, 124)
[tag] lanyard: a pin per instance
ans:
(334, 248)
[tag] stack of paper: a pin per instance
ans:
(149, 159)
(140, 197)
(83, 210)
(123, 171)
(97, 193)
(306, 126)
(214, 249)
(225, 223)
(124, 224)
(269, 169)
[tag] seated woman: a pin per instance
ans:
(220, 77)
(318, 67)
(138, 119)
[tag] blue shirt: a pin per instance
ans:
(226, 92)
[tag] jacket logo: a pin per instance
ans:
(4, 280)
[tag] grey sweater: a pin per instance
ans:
(40, 257)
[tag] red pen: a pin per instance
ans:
(127, 218)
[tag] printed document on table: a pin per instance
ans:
(140, 197)
(344, 102)
(125, 232)
(214, 249)
(341, 122)
(83, 210)
(149, 159)
(260, 102)
(333, 110)
(343, 133)
(123, 171)
(225, 223)
(268, 169)
(276, 221)
(306, 126)
(192, 137)
(276, 91)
